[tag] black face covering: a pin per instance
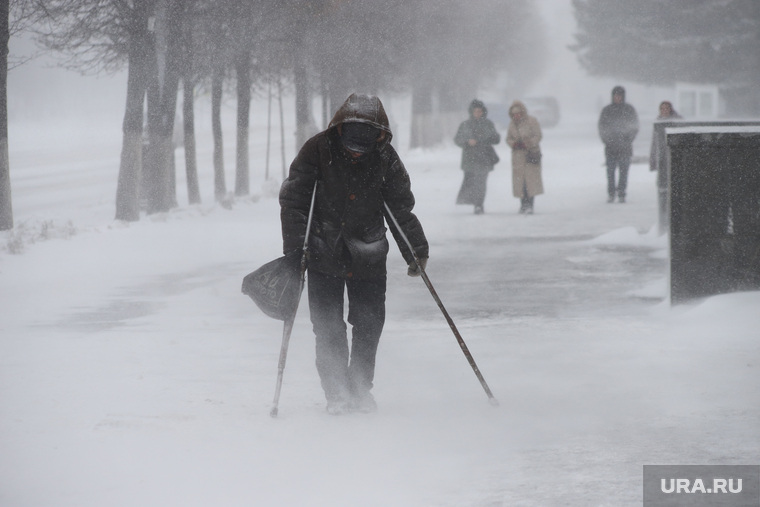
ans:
(359, 137)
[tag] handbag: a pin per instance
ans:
(366, 254)
(533, 157)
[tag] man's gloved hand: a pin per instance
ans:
(414, 269)
(519, 145)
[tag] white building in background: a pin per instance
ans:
(697, 102)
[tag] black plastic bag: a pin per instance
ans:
(276, 286)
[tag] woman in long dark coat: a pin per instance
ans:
(476, 136)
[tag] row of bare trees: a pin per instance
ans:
(440, 51)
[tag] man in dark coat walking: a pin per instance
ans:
(618, 126)
(356, 171)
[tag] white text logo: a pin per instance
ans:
(698, 486)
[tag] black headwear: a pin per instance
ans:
(475, 104)
(359, 137)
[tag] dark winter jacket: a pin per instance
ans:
(483, 131)
(618, 125)
(347, 237)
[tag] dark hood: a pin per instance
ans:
(364, 109)
(618, 90)
(478, 103)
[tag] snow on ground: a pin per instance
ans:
(133, 372)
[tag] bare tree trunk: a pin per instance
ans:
(152, 97)
(337, 90)
(191, 162)
(305, 127)
(188, 116)
(325, 104)
(161, 177)
(453, 99)
(6, 208)
(282, 129)
(220, 187)
(130, 168)
(424, 131)
(269, 126)
(243, 71)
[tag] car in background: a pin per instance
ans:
(544, 109)
(498, 112)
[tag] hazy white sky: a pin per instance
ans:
(40, 90)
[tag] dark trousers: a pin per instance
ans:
(617, 160)
(343, 372)
(526, 203)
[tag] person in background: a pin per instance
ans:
(524, 137)
(618, 126)
(666, 112)
(357, 172)
(476, 136)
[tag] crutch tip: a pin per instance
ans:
(493, 401)
(273, 412)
